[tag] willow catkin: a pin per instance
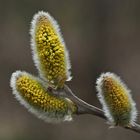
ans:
(49, 51)
(33, 94)
(116, 100)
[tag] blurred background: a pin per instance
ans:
(101, 35)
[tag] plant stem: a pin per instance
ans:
(85, 108)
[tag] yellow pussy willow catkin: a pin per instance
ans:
(116, 100)
(50, 54)
(34, 94)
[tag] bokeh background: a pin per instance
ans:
(101, 35)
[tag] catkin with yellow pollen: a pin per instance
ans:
(116, 100)
(49, 51)
(33, 94)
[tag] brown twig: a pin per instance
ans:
(85, 108)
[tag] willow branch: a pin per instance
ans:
(85, 108)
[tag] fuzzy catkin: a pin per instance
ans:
(116, 100)
(32, 93)
(49, 51)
